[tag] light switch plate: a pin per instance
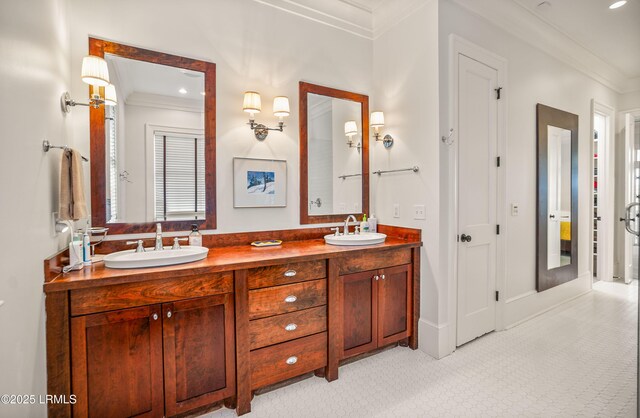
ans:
(419, 212)
(515, 209)
(396, 210)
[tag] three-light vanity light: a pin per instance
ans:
(95, 72)
(252, 104)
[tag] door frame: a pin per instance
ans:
(458, 45)
(606, 200)
(627, 117)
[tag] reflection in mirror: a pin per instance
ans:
(559, 197)
(154, 143)
(334, 158)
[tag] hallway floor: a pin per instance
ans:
(578, 359)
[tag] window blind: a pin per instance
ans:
(112, 164)
(179, 177)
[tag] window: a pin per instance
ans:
(112, 163)
(179, 176)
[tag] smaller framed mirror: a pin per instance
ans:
(334, 154)
(557, 211)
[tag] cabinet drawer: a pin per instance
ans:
(284, 361)
(286, 274)
(120, 296)
(279, 328)
(283, 299)
(369, 260)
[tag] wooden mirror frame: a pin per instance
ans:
(101, 47)
(304, 89)
(545, 278)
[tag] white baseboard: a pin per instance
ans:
(520, 310)
(433, 338)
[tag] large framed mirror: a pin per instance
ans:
(153, 154)
(557, 212)
(334, 154)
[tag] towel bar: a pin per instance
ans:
(46, 146)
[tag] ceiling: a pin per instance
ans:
(585, 34)
(613, 35)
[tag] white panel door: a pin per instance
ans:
(477, 178)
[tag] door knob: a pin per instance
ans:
(465, 238)
(552, 216)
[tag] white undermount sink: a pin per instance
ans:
(130, 259)
(367, 238)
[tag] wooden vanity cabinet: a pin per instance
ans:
(154, 361)
(376, 307)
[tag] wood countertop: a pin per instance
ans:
(219, 259)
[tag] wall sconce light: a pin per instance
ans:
(95, 73)
(351, 129)
(377, 122)
(252, 104)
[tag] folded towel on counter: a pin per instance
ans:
(73, 205)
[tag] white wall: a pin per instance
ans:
(255, 47)
(533, 77)
(405, 74)
(34, 71)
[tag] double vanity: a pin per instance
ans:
(180, 331)
(180, 340)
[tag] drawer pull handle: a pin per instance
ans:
(169, 314)
(290, 273)
(292, 360)
(290, 299)
(291, 327)
(155, 316)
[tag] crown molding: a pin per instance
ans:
(521, 22)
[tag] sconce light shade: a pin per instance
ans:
(252, 103)
(377, 120)
(281, 106)
(95, 71)
(110, 98)
(350, 128)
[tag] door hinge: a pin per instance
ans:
(497, 229)
(497, 295)
(498, 92)
(498, 161)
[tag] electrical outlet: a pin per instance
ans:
(396, 210)
(419, 212)
(515, 209)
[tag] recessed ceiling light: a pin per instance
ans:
(182, 91)
(617, 4)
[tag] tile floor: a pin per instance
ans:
(577, 360)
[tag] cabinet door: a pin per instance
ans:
(117, 363)
(394, 304)
(199, 357)
(359, 295)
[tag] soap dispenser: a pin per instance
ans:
(195, 237)
(364, 225)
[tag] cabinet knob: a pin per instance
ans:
(169, 314)
(291, 327)
(382, 277)
(290, 273)
(292, 360)
(154, 316)
(376, 277)
(290, 299)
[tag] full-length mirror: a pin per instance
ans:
(154, 152)
(557, 197)
(334, 154)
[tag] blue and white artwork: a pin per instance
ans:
(261, 182)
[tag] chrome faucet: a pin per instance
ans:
(140, 245)
(159, 246)
(346, 223)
